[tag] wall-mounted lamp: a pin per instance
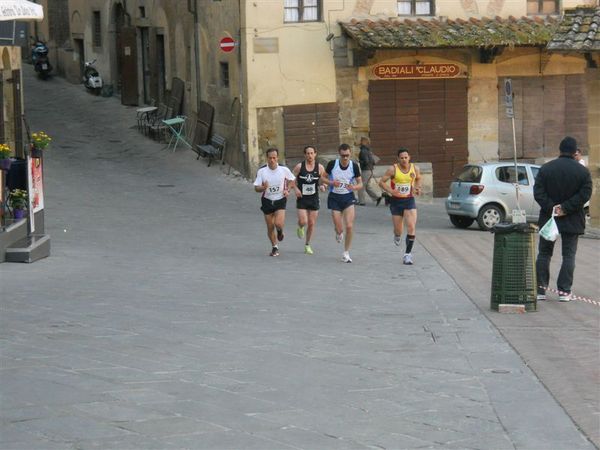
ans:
(329, 37)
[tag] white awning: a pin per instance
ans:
(20, 10)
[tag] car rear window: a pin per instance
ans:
(470, 174)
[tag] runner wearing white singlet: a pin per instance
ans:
(274, 182)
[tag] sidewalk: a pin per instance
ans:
(159, 322)
(560, 342)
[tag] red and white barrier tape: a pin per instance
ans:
(573, 297)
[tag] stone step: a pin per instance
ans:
(29, 249)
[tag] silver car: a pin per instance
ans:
(486, 193)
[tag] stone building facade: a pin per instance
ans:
(425, 74)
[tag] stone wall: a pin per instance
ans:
(270, 133)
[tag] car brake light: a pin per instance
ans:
(476, 189)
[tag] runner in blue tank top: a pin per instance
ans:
(343, 178)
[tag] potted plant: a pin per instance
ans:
(18, 201)
(5, 160)
(39, 141)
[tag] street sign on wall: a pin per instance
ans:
(227, 44)
(508, 98)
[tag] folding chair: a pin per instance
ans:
(176, 126)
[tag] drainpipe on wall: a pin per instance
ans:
(197, 37)
(243, 147)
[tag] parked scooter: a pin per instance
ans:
(39, 58)
(91, 78)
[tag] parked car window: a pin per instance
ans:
(534, 172)
(470, 174)
(506, 174)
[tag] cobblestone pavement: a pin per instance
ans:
(159, 321)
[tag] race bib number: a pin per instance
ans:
(403, 189)
(273, 192)
(308, 189)
(342, 188)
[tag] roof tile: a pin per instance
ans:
(434, 33)
(579, 30)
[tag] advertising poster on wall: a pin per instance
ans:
(37, 192)
(35, 187)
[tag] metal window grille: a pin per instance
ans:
(225, 74)
(97, 27)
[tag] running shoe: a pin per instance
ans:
(407, 259)
(339, 237)
(300, 232)
(564, 297)
(279, 234)
(397, 240)
(346, 257)
(274, 252)
(308, 250)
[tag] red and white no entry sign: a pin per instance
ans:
(227, 44)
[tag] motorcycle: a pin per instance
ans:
(91, 78)
(39, 57)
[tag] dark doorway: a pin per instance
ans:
(80, 49)
(160, 61)
(129, 67)
(145, 36)
(18, 111)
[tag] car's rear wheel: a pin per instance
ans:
(489, 216)
(461, 221)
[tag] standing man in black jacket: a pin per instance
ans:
(563, 186)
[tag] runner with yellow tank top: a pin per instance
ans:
(404, 183)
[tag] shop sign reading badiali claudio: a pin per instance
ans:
(399, 71)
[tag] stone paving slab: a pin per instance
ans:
(159, 321)
(560, 342)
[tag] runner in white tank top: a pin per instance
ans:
(274, 182)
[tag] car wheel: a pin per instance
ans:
(461, 221)
(489, 216)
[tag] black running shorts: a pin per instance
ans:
(310, 202)
(270, 206)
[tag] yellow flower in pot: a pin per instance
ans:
(18, 200)
(5, 160)
(39, 141)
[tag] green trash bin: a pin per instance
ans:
(513, 274)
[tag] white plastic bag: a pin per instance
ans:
(550, 231)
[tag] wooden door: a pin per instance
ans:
(314, 124)
(546, 110)
(429, 117)
(129, 67)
